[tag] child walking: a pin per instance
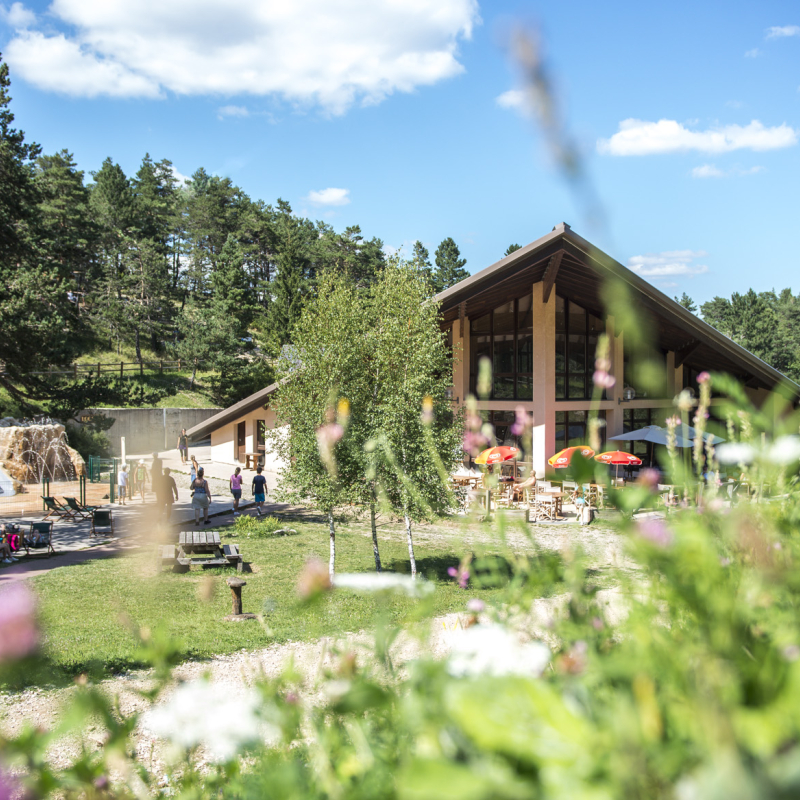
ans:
(259, 490)
(236, 490)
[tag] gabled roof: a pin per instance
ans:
(582, 269)
(254, 401)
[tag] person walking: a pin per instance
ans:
(236, 490)
(166, 494)
(201, 497)
(141, 477)
(193, 468)
(259, 489)
(155, 467)
(183, 446)
(122, 484)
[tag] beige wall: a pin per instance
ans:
(223, 440)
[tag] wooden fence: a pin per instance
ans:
(77, 370)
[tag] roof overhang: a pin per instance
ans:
(256, 400)
(582, 270)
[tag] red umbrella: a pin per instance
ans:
(562, 459)
(617, 457)
(496, 455)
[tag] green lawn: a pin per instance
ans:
(87, 610)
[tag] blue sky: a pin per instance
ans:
(416, 113)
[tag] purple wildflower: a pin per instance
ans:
(655, 531)
(19, 634)
(476, 605)
(703, 377)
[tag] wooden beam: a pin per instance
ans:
(685, 351)
(462, 310)
(550, 275)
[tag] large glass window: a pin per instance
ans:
(505, 336)
(576, 344)
(572, 429)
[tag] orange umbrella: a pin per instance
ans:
(617, 457)
(562, 459)
(496, 455)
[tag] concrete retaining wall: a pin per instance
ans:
(149, 429)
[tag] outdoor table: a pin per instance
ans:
(557, 496)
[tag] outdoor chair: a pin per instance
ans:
(504, 495)
(57, 510)
(79, 510)
(40, 538)
(101, 518)
(538, 508)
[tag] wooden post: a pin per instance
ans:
(179, 365)
(161, 367)
(75, 371)
(236, 585)
(141, 368)
(121, 368)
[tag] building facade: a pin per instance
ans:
(537, 315)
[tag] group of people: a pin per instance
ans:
(161, 482)
(129, 484)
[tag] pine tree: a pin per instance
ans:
(289, 290)
(449, 266)
(687, 302)
(512, 248)
(421, 260)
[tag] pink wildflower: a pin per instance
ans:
(461, 575)
(602, 364)
(476, 605)
(603, 380)
(19, 635)
(314, 579)
(655, 531)
(474, 442)
(649, 478)
(703, 377)
(522, 423)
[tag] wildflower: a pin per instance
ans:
(574, 661)
(367, 582)
(314, 579)
(649, 477)
(602, 364)
(19, 634)
(327, 436)
(597, 623)
(461, 574)
(494, 650)
(9, 787)
(685, 400)
(101, 782)
(474, 442)
(655, 531)
(522, 423)
(476, 605)
(603, 380)
(673, 422)
(736, 453)
(785, 450)
(703, 377)
(427, 410)
(343, 411)
(791, 652)
(200, 713)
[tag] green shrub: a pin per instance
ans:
(253, 527)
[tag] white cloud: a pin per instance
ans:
(59, 64)
(331, 53)
(180, 177)
(638, 138)
(17, 17)
(671, 263)
(754, 53)
(707, 171)
(712, 171)
(782, 31)
(232, 111)
(515, 100)
(329, 197)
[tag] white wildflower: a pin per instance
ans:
(201, 713)
(494, 650)
(785, 450)
(382, 582)
(735, 453)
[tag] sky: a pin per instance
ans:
(413, 118)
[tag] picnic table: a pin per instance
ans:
(201, 543)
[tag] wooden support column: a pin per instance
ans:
(614, 416)
(550, 274)
(544, 377)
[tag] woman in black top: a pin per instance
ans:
(259, 490)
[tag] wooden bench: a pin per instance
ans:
(231, 552)
(251, 460)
